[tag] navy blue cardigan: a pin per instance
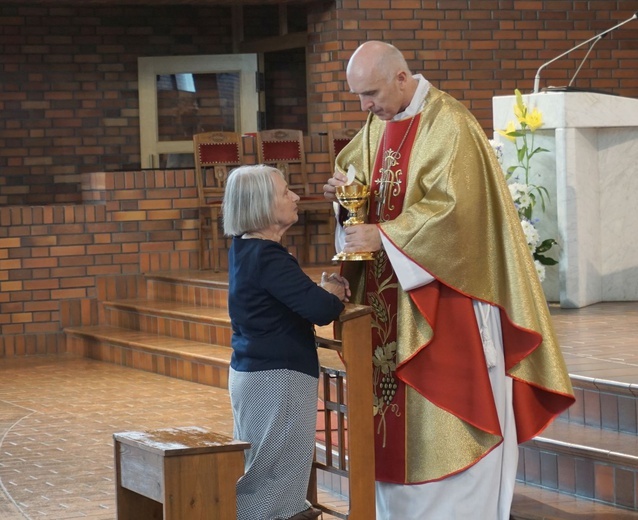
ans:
(273, 305)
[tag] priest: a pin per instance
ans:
(466, 362)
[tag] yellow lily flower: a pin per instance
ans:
(534, 120)
(526, 122)
(510, 129)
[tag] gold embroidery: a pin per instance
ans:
(389, 177)
(384, 357)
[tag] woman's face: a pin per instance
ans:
(285, 203)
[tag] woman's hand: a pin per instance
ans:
(337, 285)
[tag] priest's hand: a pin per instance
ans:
(362, 238)
(329, 189)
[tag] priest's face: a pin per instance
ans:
(380, 94)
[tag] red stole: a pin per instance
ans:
(381, 294)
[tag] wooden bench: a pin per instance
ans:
(177, 474)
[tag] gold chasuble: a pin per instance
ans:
(439, 195)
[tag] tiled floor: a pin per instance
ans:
(58, 415)
(57, 419)
(600, 341)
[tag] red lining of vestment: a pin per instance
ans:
(457, 377)
(534, 407)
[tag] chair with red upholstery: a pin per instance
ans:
(284, 149)
(216, 153)
(337, 139)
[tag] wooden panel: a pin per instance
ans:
(131, 505)
(356, 337)
(353, 342)
(142, 472)
(202, 486)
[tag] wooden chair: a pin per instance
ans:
(216, 153)
(337, 139)
(284, 149)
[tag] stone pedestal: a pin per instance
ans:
(591, 172)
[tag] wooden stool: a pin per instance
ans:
(177, 474)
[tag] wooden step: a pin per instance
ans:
(213, 315)
(203, 288)
(176, 319)
(195, 361)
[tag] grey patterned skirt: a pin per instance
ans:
(276, 411)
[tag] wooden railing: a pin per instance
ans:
(346, 389)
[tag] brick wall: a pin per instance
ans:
(53, 259)
(286, 90)
(473, 50)
(52, 256)
(68, 89)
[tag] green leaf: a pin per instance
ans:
(546, 245)
(521, 153)
(527, 212)
(542, 191)
(545, 260)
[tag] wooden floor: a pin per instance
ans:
(58, 415)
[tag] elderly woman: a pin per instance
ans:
(274, 372)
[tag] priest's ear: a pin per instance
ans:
(402, 77)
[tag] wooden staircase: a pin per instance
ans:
(176, 324)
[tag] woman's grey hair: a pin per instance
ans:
(249, 196)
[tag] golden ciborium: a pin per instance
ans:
(352, 197)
